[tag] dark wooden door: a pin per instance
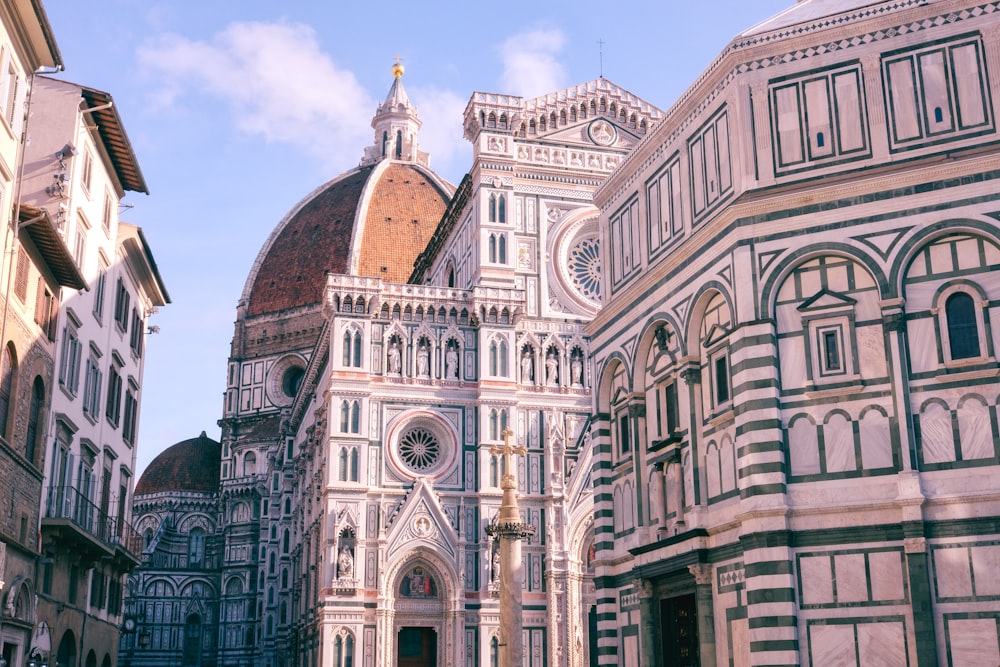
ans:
(417, 647)
(679, 631)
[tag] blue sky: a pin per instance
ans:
(237, 110)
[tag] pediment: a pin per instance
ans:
(715, 335)
(422, 522)
(825, 300)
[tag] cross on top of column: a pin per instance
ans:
(507, 450)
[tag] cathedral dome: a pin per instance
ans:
(371, 221)
(191, 466)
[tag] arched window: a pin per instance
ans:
(196, 547)
(963, 328)
(347, 348)
(502, 249)
(356, 417)
(385, 142)
(7, 370)
(493, 248)
(399, 144)
(357, 349)
(343, 464)
(286, 542)
(343, 651)
(501, 208)
(249, 464)
(34, 417)
(494, 425)
(503, 359)
(493, 358)
(354, 464)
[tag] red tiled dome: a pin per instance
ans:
(191, 466)
(402, 204)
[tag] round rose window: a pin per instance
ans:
(585, 268)
(419, 449)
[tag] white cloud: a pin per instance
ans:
(530, 63)
(277, 82)
(441, 134)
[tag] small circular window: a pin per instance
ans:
(292, 380)
(284, 379)
(419, 450)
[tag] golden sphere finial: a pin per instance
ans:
(398, 69)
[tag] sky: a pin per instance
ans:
(238, 110)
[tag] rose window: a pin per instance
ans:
(585, 268)
(419, 449)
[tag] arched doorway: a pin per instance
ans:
(421, 622)
(66, 655)
(192, 641)
(418, 600)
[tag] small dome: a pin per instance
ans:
(191, 466)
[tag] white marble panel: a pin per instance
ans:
(793, 365)
(881, 644)
(812, 282)
(871, 352)
(986, 569)
(852, 578)
(923, 345)
(827, 644)
(876, 444)
(631, 650)
(803, 448)
(886, 570)
(740, 630)
(838, 438)
(974, 642)
(817, 580)
(936, 439)
(951, 569)
(975, 430)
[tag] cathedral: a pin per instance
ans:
(391, 329)
(747, 343)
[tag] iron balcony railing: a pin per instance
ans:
(66, 502)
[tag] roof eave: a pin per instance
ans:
(35, 222)
(141, 258)
(116, 142)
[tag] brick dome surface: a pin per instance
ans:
(190, 465)
(402, 205)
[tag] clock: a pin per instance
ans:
(129, 625)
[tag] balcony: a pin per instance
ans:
(73, 523)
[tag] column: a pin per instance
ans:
(647, 624)
(703, 574)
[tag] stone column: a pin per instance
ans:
(675, 489)
(918, 577)
(702, 573)
(647, 624)
(509, 529)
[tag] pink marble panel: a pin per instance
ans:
(974, 642)
(852, 578)
(886, 568)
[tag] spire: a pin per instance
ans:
(396, 125)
